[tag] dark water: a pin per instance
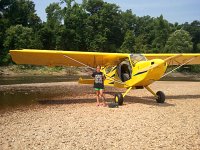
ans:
(16, 98)
(26, 97)
(36, 79)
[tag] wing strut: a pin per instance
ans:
(179, 66)
(92, 69)
(78, 62)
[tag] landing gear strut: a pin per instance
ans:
(160, 96)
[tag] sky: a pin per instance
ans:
(180, 11)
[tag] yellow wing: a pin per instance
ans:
(176, 59)
(65, 58)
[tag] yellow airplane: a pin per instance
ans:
(130, 71)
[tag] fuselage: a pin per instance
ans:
(146, 72)
(136, 72)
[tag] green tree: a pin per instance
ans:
(140, 44)
(21, 12)
(96, 38)
(12, 13)
(54, 15)
(103, 26)
(179, 42)
(145, 34)
(19, 37)
(72, 33)
(161, 31)
(128, 20)
(49, 33)
(194, 30)
(129, 43)
(4, 22)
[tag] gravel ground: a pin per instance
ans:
(76, 122)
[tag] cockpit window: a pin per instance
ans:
(137, 57)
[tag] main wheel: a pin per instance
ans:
(161, 97)
(119, 99)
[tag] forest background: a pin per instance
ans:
(93, 25)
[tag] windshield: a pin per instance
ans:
(137, 57)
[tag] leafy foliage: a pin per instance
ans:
(194, 30)
(19, 37)
(179, 42)
(129, 42)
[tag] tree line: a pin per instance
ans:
(93, 25)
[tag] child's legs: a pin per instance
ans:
(97, 94)
(102, 95)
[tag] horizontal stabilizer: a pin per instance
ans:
(86, 81)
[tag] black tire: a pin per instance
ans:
(161, 97)
(119, 99)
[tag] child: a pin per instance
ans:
(99, 84)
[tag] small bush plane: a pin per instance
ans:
(129, 71)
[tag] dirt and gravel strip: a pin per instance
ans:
(76, 123)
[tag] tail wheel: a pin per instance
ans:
(161, 97)
(119, 99)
